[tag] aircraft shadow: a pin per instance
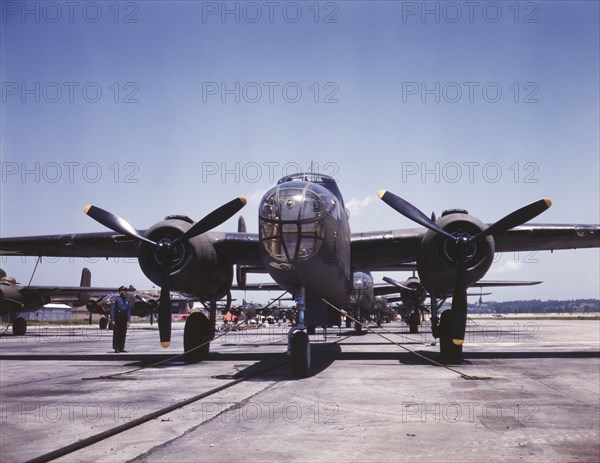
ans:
(139, 358)
(278, 365)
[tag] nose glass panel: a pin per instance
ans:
(292, 222)
(362, 281)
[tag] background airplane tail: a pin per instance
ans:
(86, 282)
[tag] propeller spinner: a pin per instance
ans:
(165, 249)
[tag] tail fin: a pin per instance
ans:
(241, 225)
(86, 278)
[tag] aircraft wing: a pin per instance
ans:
(395, 250)
(104, 244)
(236, 248)
(374, 251)
(63, 294)
(499, 283)
(386, 250)
(258, 287)
(30, 298)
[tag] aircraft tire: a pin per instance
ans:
(348, 322)
(300, 354)
(19, 326)
(197, 331)
(103, 323)
(449, 352)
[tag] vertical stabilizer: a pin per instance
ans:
(86, 278)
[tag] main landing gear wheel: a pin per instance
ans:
(414, 320)
(197, 331)
(449, 352)
(19, 326)
(103, 323)
(348, 322)
(300, 354)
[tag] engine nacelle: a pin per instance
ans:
(10, 296)
(413, 299)
(195, 267)
(436, 262)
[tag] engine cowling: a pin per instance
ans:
(437, 257)
(413, 299)
(195, 267)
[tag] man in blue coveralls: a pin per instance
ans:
(120, 315)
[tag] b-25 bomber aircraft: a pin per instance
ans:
(413, 296)
(16, 299)
(305, 244)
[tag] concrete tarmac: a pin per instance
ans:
(366, 400)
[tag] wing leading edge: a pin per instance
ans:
(374, 251)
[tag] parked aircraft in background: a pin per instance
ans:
(143, 304)
(413, 296)
(15, 299)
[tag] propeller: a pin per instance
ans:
(393, 282)
(416, 291)
(164, 249)
(463, 244)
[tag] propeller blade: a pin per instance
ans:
(164, 310)
(214, 219)
(391, 281)
(459, 306)
(411, 212)
(115, 223)
(516, 218)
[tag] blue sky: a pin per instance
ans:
(152, 108)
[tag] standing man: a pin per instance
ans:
(120, 316)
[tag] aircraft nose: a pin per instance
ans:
(291, 223)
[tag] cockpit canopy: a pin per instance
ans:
(10, 281)
(291, 218)
(319, 179)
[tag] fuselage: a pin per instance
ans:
(13, 301)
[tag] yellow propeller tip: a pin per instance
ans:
(458, 342)
(86, 208)
(165, 343)
(381, 193)
(243, 200)
(548, 202)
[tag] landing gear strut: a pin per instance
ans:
(357, 324)
(298, 342)
(448, 350)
